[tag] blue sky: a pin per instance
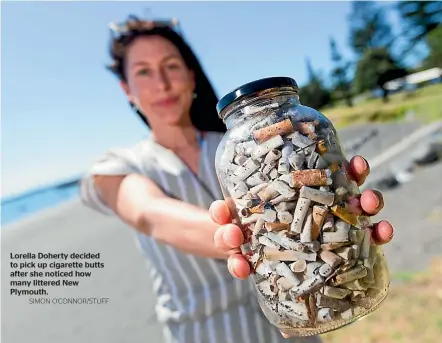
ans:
(61, 109)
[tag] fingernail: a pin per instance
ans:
(231, 269)
(365, 163)
(376, 200)
(211, 213)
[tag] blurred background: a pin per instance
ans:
(374, 68)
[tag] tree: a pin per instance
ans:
(369, 28)
(419, 18)
(434, 41)
(314, 94)
(340, 82)
(374, 69)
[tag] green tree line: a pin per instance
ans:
(378, 53)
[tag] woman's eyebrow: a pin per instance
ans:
(146, 63)
(139, 64)
(171, 56)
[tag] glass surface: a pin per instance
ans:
(283, 173)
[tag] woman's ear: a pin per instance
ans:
(126, 91)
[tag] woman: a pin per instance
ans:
(164, 186)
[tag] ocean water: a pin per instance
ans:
(19, 207)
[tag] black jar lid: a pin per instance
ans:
(252, 87)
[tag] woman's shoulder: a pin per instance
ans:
(133, 156)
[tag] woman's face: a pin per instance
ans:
(158, 81)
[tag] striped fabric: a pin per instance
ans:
(197, 298)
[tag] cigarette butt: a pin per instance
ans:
(256, 189)
(306, 234)
(324, 198)
(319, 213)
(258, 208)
(263, 148)
(243, 202)
(321, 148)
(306, 128)
(325, 270)
(344, 214)
(313, 269)
(330, 258)
(301, 210)
(272, 156)
(336, 293)
(244, 212)
(284, 284)
(334, 167)
(240, 159)
(267, 242)
(329, 223)
(351, 275)
(269, 192)
(258, 226)
(307, 286)
(309, 177)
(273, 254)
(273, 226)
(283, 189)
(336, 304)
(332, 246)
(281, 128)
(269, 215)
(312, 159)
(273, 174)
(285, 217)
(298, 266)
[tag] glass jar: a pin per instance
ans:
(283, 174)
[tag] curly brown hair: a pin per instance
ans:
(203, 112)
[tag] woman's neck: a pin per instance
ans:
(177, 138)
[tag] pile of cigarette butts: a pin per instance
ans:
(313, 262)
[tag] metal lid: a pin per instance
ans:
(252, 87)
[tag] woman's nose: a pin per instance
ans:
(162, 80)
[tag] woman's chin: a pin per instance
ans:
(173, 120)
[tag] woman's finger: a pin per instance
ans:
(382, 232)
(238, 266)
(359, 169)
(372, 201)
(220, 213)
(228, 237)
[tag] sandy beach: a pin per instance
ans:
(129, 314)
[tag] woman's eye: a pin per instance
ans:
(143, 72)
(173, 66)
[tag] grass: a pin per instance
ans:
(412, 312)
(426, 103)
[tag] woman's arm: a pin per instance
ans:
(139, 202)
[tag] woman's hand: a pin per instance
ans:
(229, 236)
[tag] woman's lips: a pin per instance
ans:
(167, 102)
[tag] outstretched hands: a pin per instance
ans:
(229, 237)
